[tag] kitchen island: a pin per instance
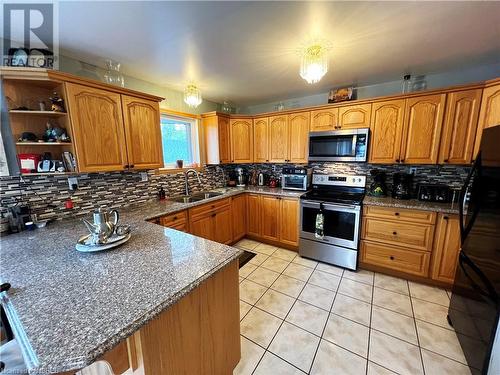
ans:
(167, 299)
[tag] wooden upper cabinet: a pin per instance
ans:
(224, 139)
(446, 248)
(423, 125)
(355, 116)
(298, 143)
(490, 112)
(324, 119)
(386, 129)
(216, 133)
(241, 141)
(98, 132)
(261, 140)
(289, 221)
(460, 127)
(142, 132)
(278, 139)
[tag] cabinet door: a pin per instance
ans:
(201, 226)
(489, 114)
(270, 217)
(261, 140)
(460, 127)
(98, 132)
(241, 141)
(278, 139)
(253, 214)
(142, 132)
(446, 248)
(222, 226)
(355, 116)
(386, 130)
(423, 124)
(239, 214)
(324, 119)
(224, 140)
(298, 144)
(289, 221)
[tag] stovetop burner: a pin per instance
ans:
(336, 197)
(337, 189)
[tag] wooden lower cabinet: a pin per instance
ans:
(416, 243)
(253, 215)
(239, 216)
(270, 217)
(289, 221)
(446, 248)
(212, 221)
(395, 258)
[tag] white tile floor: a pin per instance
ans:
(300, 316)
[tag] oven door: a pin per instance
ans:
(294, 181)
(340, 225)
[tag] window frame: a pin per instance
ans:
(195, 140)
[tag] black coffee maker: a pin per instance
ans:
(401, 185)
(377, 187)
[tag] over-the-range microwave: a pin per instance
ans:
(339, 145)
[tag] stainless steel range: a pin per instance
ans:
(330, 219)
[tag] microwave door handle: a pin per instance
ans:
(354, 142)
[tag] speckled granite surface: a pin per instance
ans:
(68, 308)
(448, 208)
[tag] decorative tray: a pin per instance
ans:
(84, 245)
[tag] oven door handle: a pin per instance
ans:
(314, 204)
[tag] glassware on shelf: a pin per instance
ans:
(419, 83)
(406, 85)
(226, 107)
(113, 75)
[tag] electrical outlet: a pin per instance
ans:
(144, 176)
(73, 183)
(413, 171)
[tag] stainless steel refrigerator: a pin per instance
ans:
(474, 306)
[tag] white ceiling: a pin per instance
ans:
(246, 51)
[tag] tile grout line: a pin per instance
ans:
(370, 325)
(283, 320)
(416, 330)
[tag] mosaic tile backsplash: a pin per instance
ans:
(47, 194)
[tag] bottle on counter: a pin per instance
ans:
(161, 194)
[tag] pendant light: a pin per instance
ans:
(314, 62)
(192, 96)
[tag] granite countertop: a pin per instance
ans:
(68, 308)
(446, 208)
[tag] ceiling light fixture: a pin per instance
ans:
(192, 96)
(314, 62)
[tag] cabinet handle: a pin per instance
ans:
(125, 166)
(391, 257)
(445, 217)
(402, 160)
(395, 233)
(175, 217)
(398, 161)
(396, 213)
(446, 160)
(213, 215)
(267, 160)
(131, 165)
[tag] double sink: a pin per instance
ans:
(196, 197)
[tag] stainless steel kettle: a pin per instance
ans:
(102, 228)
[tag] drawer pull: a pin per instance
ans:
(391, 257)
(445, 217)
(213, 215)
(395, 233)
(175, 218)
(396, 213)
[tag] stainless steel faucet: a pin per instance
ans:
(186, 178)
(223, 174)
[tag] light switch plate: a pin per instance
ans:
(73, 183)
(144, 176)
